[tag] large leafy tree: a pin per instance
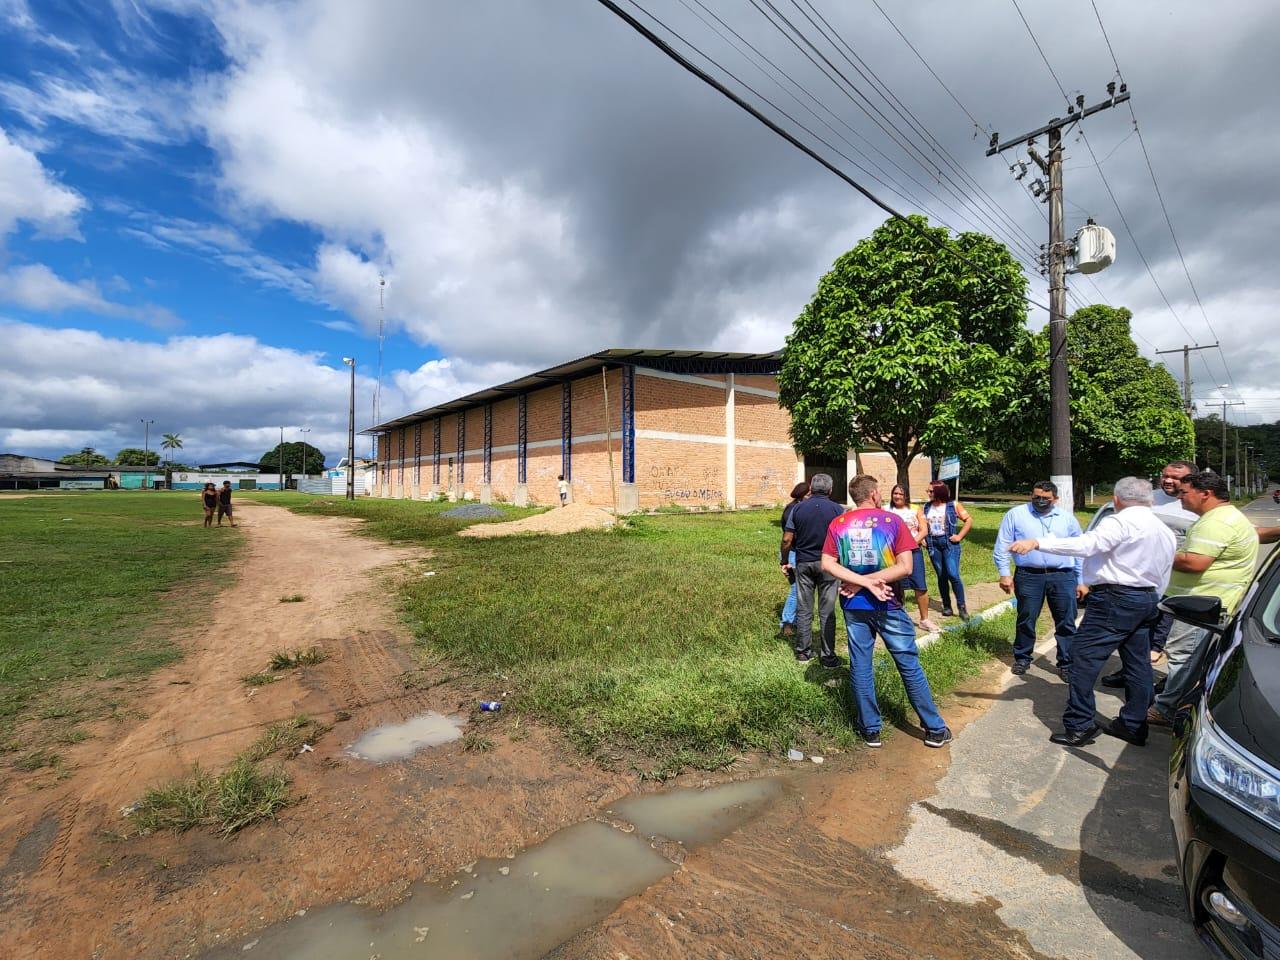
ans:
(85, 457)
(296, 455)
(914, 342)
(1126, 412)
(137, 457)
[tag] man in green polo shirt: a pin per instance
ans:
(1217, 559)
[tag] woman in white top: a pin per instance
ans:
(913, 517)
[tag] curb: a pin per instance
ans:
(995, 610)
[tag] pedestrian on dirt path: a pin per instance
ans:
(1127, 559)
(1168, 506)
(804, 532)
(913, 516)
(1217, 559)
(209, 500)
(1040, 576)
(563, 485)
(788, 559)
(224, 503)
(870, 550)
(949, 524)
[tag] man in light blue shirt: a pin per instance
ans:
(1040, 576)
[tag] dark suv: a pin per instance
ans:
(1224, 773)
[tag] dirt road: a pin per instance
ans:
(71, 887)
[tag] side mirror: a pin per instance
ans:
(1203, 612)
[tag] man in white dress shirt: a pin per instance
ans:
(1127, 561)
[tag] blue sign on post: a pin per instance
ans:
(949, 469)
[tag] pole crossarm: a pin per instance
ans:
(1058, 123)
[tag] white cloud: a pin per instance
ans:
(28, 193)
(226, 395)
(113, 103)
(36, 287)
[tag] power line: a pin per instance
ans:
(724, 91)
(1160, 196)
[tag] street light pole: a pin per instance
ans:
(304, 431)
(146, 454)
(351, 431)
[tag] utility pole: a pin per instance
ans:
(304, 431)
(282, 487)
(146, 454)
(351, 431)
(1059, 384)
(1186, 352)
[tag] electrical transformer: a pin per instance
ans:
(1095, 248)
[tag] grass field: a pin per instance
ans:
(84, 578)
(659, 639)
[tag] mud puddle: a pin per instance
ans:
(525, 906)
(398, 741)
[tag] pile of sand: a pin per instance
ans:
(576, 516)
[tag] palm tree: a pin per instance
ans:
(171, 442)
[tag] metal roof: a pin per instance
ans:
(673, 361)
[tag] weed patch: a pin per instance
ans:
(293, 598)
(258, 679)
(291, 659)
(239, 796)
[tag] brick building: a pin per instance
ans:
(695, 428)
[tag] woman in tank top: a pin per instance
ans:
(209, 498)
(913, 517)
(798, 493)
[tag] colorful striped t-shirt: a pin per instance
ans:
(866, 541)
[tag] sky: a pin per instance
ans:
(206, 204)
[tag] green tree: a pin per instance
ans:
(908, 347)
(171, 442)
(294, 453)
(137, 457)
(86, 457)
(1126, 412)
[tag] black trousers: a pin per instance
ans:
(1115, 618)
(810, 578)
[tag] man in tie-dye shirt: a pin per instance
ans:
(867, 542)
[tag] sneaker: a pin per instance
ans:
(1020, 667)
(938, 738)
(1157, 719)
(948, 612)
(964, 613)
(803, 657)
(871, 738)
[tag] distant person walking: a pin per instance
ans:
(788, 559)
(1217, 559)
(949, 524)
(1040, 576)
(224, 503)
(1127, 557)
(563, 485)
(209, 500)
(870, 551)
(805, 532)
(900, 505)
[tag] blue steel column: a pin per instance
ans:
(522, 437)
(488, 443)
(566, 430)
(629, 424)
(462, 446)
(435, 452)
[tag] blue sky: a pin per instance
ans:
(197, 197)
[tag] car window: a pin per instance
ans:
(1263, 599)
(1104, 511)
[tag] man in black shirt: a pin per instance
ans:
(805, 533)
(224, 503)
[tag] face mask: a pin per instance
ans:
(1042, 504)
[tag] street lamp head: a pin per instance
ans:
(349, 361)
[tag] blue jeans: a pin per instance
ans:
(789, 608)
(1031, 590)
(945, 557)
(899, 636)
(1114, 618)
